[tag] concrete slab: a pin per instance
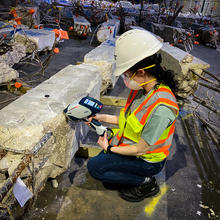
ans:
(103, 57)
(36, 39)
(40, 111)
(180, 62)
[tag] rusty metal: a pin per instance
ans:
(205, 104)
(24, 163)
(212, 75)
(205, 79)
(13, 202)
(210, 87)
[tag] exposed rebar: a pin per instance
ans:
(24, 163)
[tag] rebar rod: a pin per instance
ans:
(210, 87)
(205, 79)
(207, 124)
(212, 75)
(203, 103)
(24, 163)
(28, 181)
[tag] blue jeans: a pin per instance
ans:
(115, 168)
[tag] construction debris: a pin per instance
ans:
(7, 73)
(108, 29)
(29, 30)
(35, 40)
(103, 57)
(14, 55)
(81, 26)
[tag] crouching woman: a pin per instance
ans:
(139, 148)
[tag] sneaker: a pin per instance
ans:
(115, 186)
(139, 193)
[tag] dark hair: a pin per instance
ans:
(163, 76)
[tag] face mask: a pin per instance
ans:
(131, 84)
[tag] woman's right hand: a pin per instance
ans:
(96, 117)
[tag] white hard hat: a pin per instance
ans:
(132, 47)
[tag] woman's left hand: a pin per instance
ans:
(103, 141)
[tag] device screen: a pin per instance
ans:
(89, 102)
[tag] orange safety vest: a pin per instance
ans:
(130, 128)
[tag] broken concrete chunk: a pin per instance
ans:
(4, 164)
(35, 39)
(8, 29)
(103, 57)
(40, 111)
(29, 20)
(81, 25)
(172, 59)
(108, 29)
(14, 56)
(7, 73)
(187, 59)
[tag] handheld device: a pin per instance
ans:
(85, 108)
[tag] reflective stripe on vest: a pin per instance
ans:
(132, 126)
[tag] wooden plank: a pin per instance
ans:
(113, 100)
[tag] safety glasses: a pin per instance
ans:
(148, 67)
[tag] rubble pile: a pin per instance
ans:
(7, 60)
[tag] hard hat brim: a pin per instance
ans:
(120, 70)
(132, 47)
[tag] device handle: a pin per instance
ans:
(95, 122)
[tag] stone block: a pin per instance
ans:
(39, 111)
(181, 63)
(13, 56)
(35, 39)
(8, 28)
(7, 73)
(81, 25)
(108, 29)
(103, 57)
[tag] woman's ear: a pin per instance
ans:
(141, 72)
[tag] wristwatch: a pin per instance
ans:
(109, 149)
